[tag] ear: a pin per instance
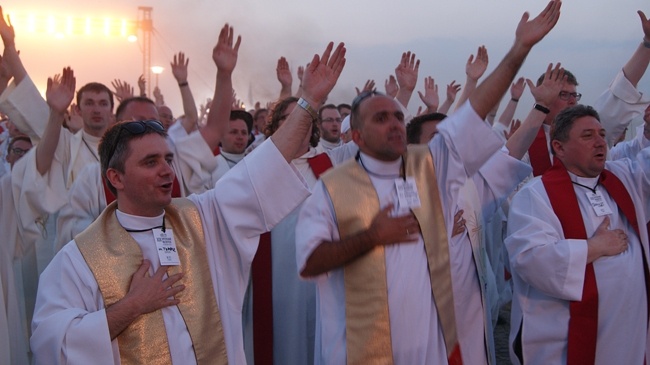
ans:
(558, 147)
(356, 136)
(116, 178)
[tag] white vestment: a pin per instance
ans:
(463, 145)
(70, 323)
(24, 253)
(548, 271)
(26, 108)
(225, 162)
(324, 146)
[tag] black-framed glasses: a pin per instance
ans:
(19, 151)
(565, 95)
(135, 128)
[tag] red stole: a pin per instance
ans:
(110, 197)
(261, 273)
(583, 322)
(538, 153)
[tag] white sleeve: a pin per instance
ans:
(86, 201)
(538, 251)
(629, 149)
(618, 105)
(70, 324)
(196, 162)
(26, 108)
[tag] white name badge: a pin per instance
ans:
(407, 193)
(599, 204)
(166, 246)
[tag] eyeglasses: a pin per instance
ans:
(330, 120)
(135, 128)
(565, 95)
(19, 151)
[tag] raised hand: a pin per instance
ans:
(321, 74)
(391, 87)
(475, 68)
(6, 30)
(225, 52)
(369, 86)
(283, 72)
(407, 71)
(301, 72)
(159, 99)
(452, 90)
(546, 93)
(142, 83)
(122, 90)
(517, 88)
(529, 32)
(514, 126)
(179, 67)
(59, 93)
(645, 25)
(430, 98)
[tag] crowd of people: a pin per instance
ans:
(308, 232)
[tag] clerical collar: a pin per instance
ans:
(379, 168)
(136, 223)
(232, 158)
(330, 145)
(589, 183)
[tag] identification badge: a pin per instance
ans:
(599, 204)
(407, 193)
(166, 246)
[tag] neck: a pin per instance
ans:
(94, 132)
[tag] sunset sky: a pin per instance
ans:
(593, 39)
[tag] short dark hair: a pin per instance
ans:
(119, 113)
(243, 115)
(278, 110)
(95, 87)
(117, 142)
(355, 120)
(570, 78)
(343, 105)
(323, 108)
(258, 112)
(414, 128)
(564, 121)
(20, 137)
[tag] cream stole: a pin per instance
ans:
(113, 256)
(355, 204)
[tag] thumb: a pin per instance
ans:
(604, 225)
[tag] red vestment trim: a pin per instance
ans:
(538, 153)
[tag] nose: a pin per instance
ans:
(167, 170)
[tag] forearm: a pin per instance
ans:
(331, 255)
(47, 147)
(4, 82)
(519, 143)
(470, 86)
(508, 112)
(490, 91)
(285, 91)
(219, 113)
(290, 136)
(404, 96)
(189, 107)
(637, 65)
(119, 316)
(14, 64)
(444, 108)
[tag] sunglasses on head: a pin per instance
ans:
(135, 128)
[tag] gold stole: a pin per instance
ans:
(355, 204)
(113, 256)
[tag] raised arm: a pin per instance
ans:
(284, 76)
(225, 55)
(516, 90)
(5, 75)
(407, 77)
(390, 85)
(528, 33)
(318, 80)
(10, 55)
(58, 95)
(368, 86)
(452, 91)
(474, 70)
(122, 90)
(179, 67)
(545, 95)
(638, 63)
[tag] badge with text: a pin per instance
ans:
(166, 247)
(599, 204)
(407, 193)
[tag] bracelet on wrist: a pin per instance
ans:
(542, 108)
(646, 42)
(515, 100)
(308, 108)
(182, 84)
